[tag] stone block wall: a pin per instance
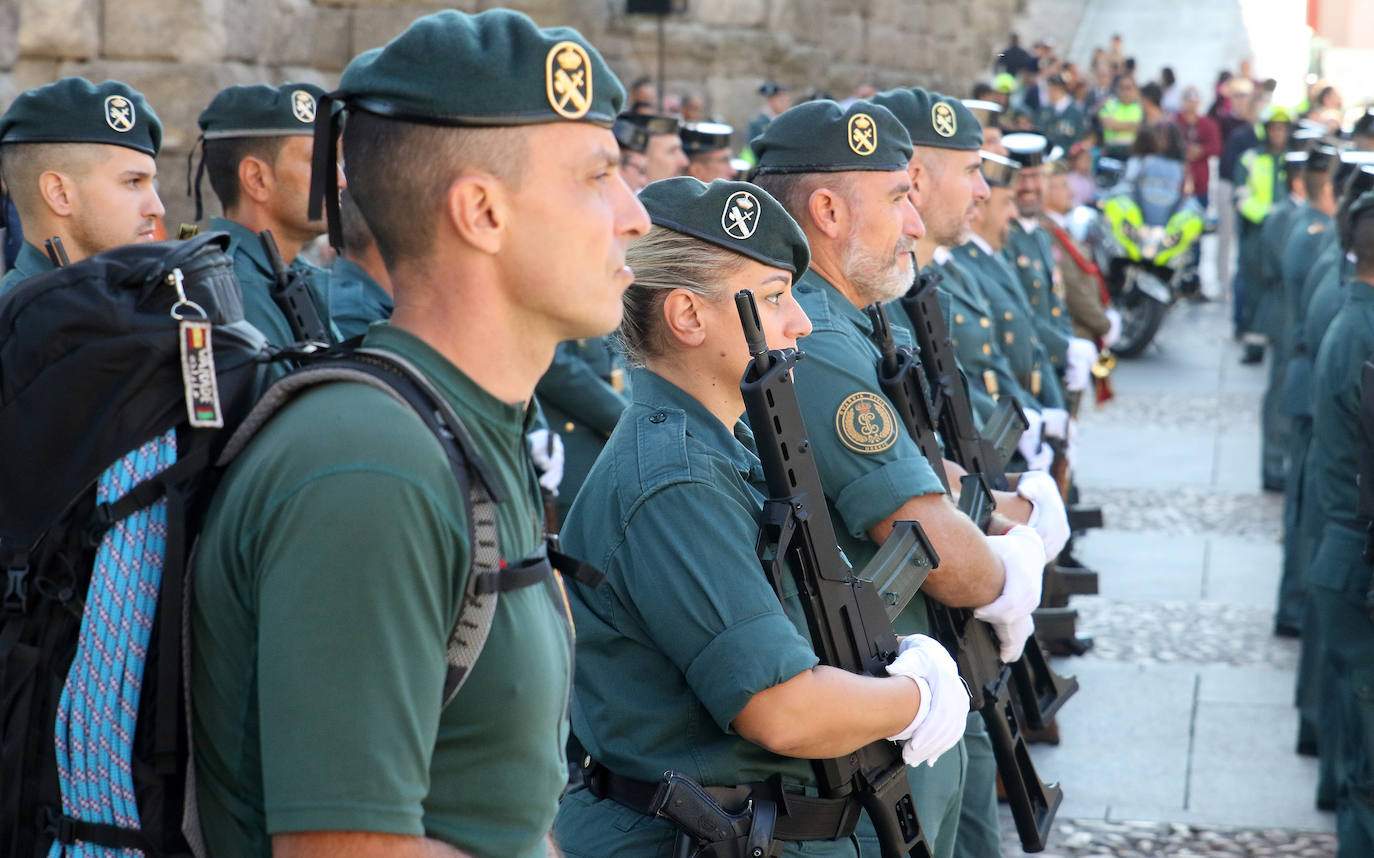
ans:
(181, 52)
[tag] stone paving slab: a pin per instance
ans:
(1145, 458)
(1243, 571)
(1140, 566)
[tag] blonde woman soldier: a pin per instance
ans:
(686, 658)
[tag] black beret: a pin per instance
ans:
(74, 110)
(932, 119)
(822, 137)
(737, 216)
(1322, 157)
(261, 111)
(699, 137)
(770, 88)
(1027, 148)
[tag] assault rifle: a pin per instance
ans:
(997, 694)
(291, 293)
(849, 615)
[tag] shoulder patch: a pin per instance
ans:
(1316, 228)
(866, 423)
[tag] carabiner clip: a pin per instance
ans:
(177, 281)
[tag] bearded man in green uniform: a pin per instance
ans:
(842, 173)
(257, 148)
(333, 563)
(78, 162)
(1340, 576)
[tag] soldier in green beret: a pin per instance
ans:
(687, 660)
(1340, 574)
(78, 160)
(359, 287)
(843, 174)
(258, 142)
(329, 719)
(946, 184)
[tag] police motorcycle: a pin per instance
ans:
(1144, 240)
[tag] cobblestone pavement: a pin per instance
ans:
(1095, 839)
(1169, 632)
(1189, 510)
(1175, 411)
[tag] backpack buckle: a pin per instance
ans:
(60, 826)
(16, 598)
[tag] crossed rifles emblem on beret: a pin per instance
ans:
(741, 216)
(568, 80)
(119, 113)
(942, 117)
(863, 134)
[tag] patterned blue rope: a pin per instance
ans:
(98, 713)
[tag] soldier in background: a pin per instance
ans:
(663, 156)
(359, 287)
(707, 146)
(633, 142)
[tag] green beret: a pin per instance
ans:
(822, 137)
(74, 110)
(261, 111)
(494, 68)
(737, 216)
(1363, 207)
(933, 119)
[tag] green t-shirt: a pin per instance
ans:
(256, 279)
(27, 263)
(685, 629)
(328, 579)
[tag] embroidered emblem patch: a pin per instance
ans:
(866, 423)
(863, 134)
(741, 215)
(119, 113)
(198, 375)
(568, 80)
(303, 106)
(943, 118)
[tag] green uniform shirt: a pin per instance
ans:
(28, 262)
(684, 631)
(256, 278)
(1268, 268)
(1014, 320)
(1063, 129)
(355, 299)
(328, 579)
(1031, 256)
(583, 395)
(1348, 343)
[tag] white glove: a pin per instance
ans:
(546, 450)
(1048, 517)
(1080, 356)
(1056, 422)
(1113, 328)
(1038, 455)
(943, 714)
(1023, 564)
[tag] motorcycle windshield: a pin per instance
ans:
(1159, 188)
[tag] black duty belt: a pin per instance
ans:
(800, 817)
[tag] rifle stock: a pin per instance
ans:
(292, 296)
(1000, 693)
(845, 613)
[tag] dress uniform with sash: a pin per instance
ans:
(685, 630)
(865, 479)
(265, 111)
(1030, 252)
(1340, 577)
(74, 110)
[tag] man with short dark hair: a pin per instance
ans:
(78, 163)
(707, 146)
(336, 713)
(663, 155)
(359, 287)
(258, 145)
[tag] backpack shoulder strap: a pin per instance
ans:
(401, 380)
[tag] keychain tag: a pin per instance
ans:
(198, 375)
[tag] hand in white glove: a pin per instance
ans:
(546, 450)
(1048, 517)
(1080, 356)
(1056, 422)
(1113, 328)
(1037, 454)
(1023, 563)
(943, 714)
